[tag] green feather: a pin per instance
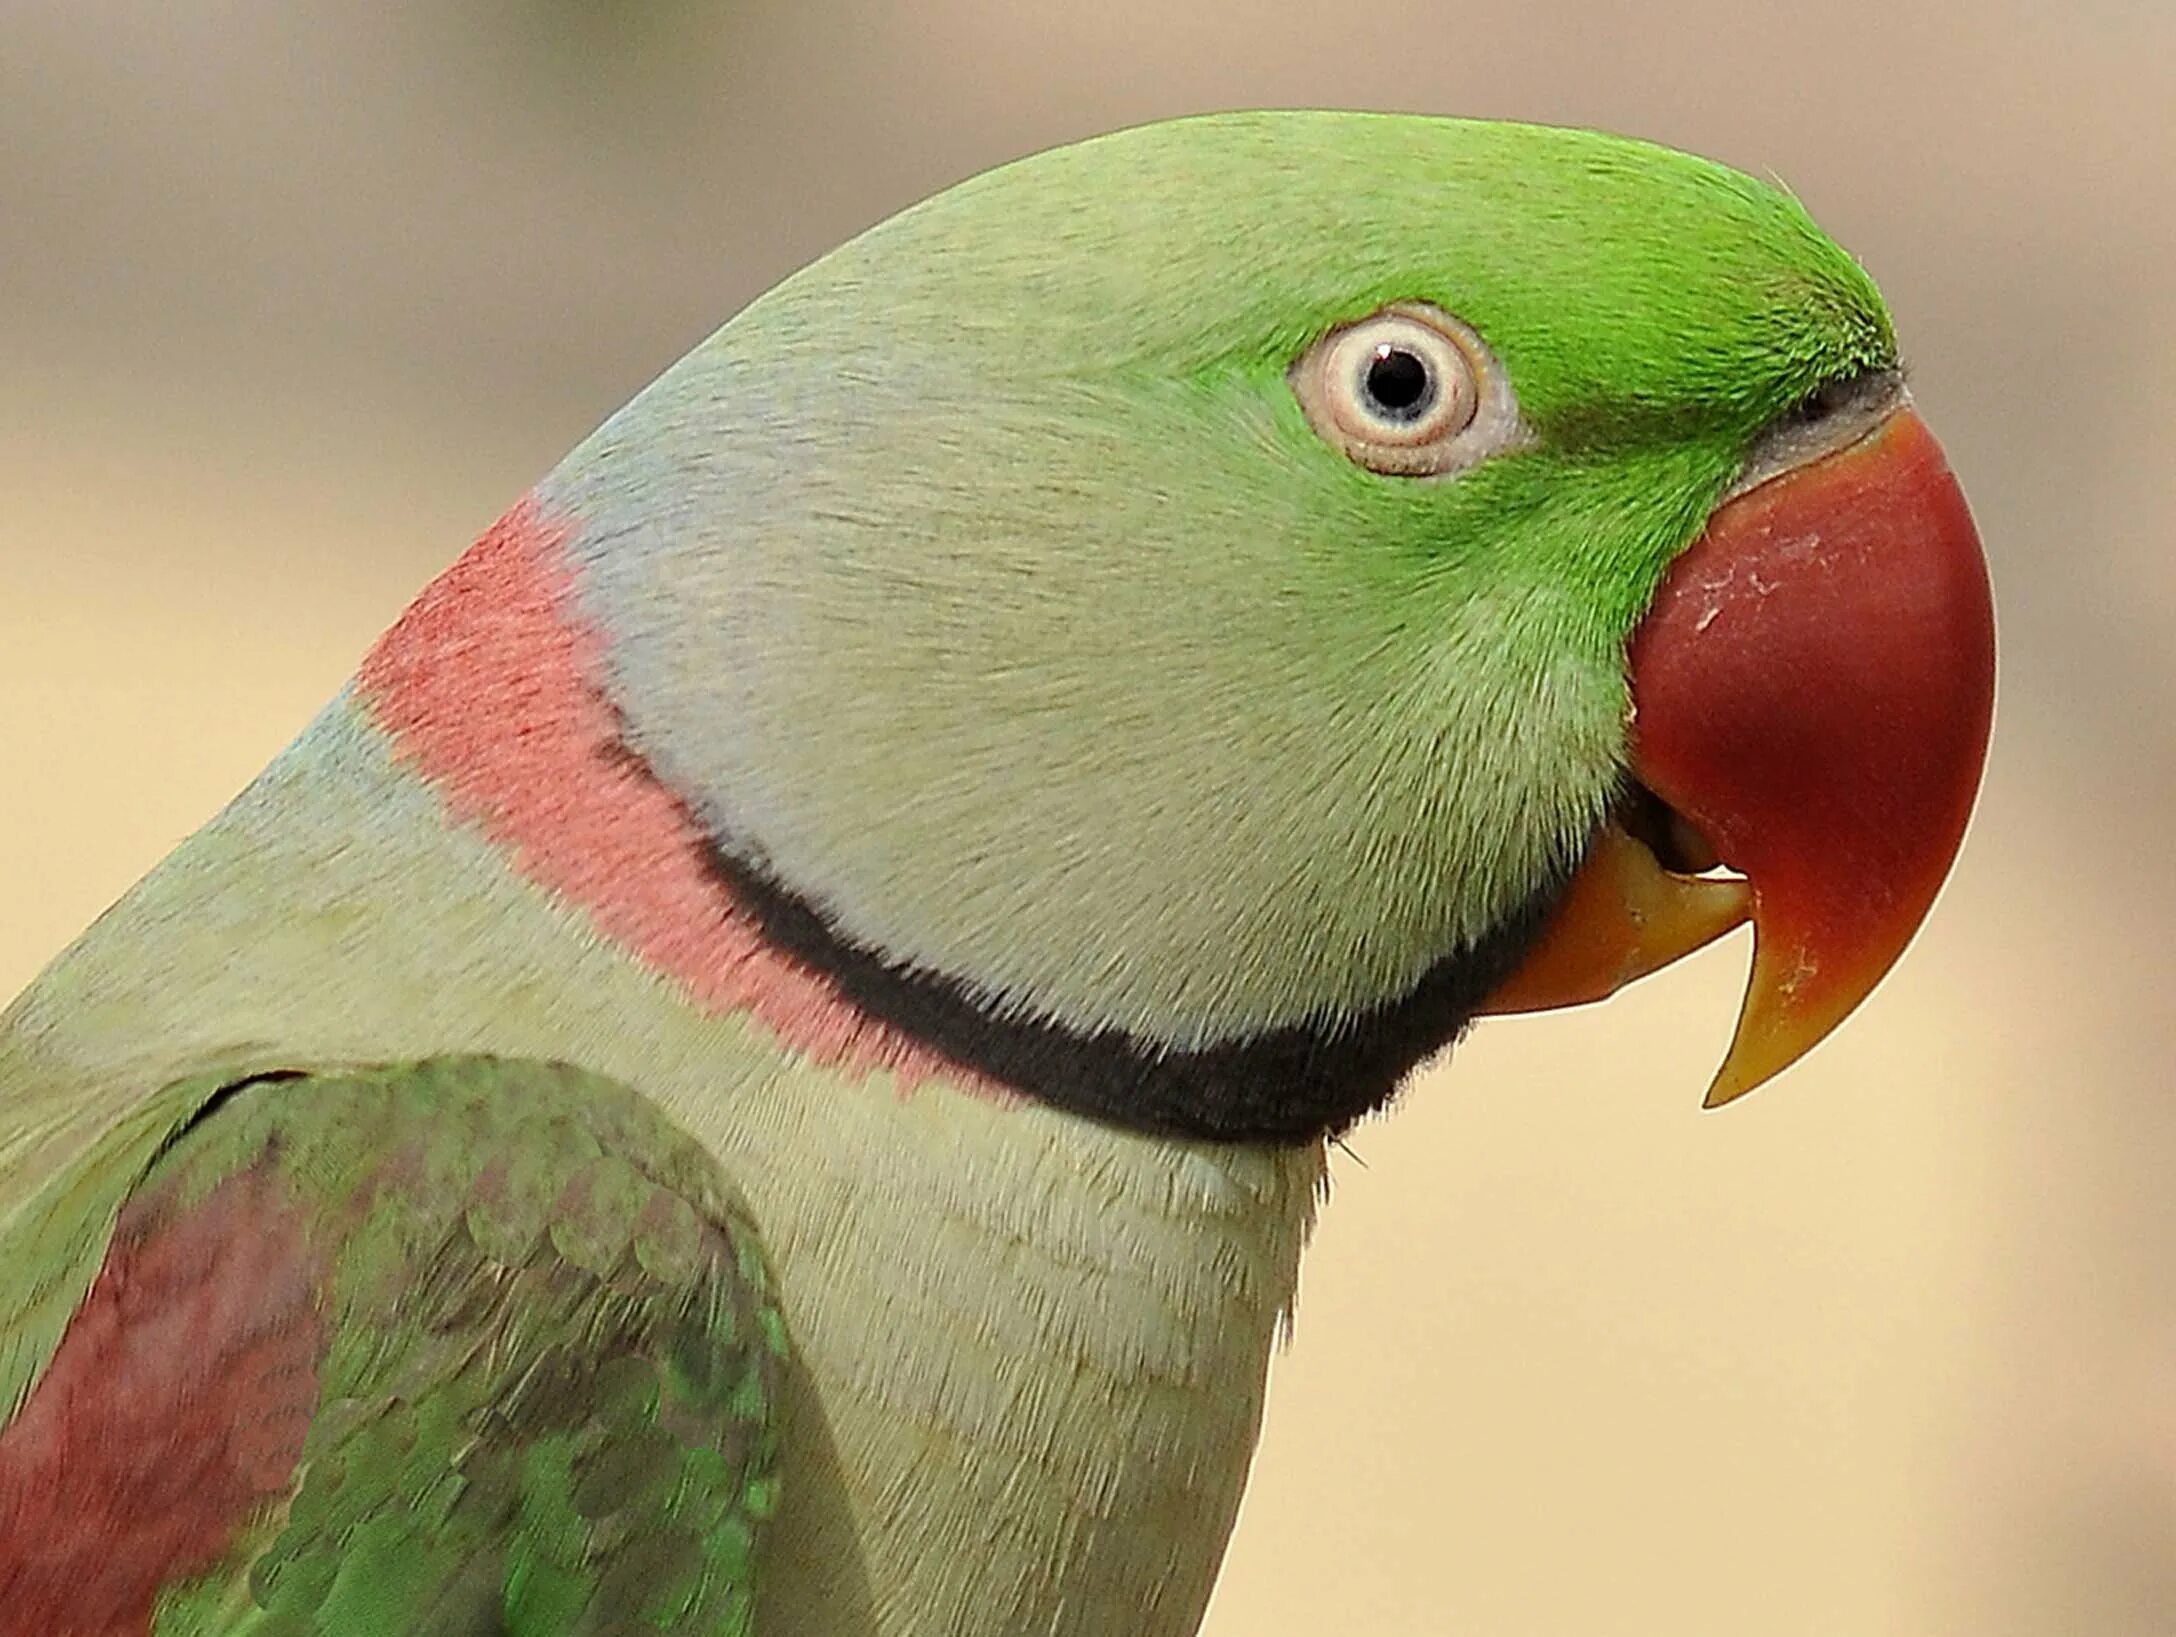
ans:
(547, 1401)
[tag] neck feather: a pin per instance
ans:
(492, 687)
(489, 687)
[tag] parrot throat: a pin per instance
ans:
(491, 687)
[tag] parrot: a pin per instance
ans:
(767, 1063)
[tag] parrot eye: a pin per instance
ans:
(1408, 392)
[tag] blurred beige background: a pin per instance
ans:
(296, 295)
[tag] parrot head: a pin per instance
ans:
(1185, 622)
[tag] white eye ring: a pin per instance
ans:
(1407, 391)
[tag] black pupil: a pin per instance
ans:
(1398, 385)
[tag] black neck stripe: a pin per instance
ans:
(1284, 1085)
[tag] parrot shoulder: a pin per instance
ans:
(469, 1344)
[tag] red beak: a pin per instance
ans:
(1812, 692)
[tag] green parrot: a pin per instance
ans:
(766, 1064)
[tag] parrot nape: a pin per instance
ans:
(766, 1064)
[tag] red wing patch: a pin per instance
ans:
(171, 1415)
